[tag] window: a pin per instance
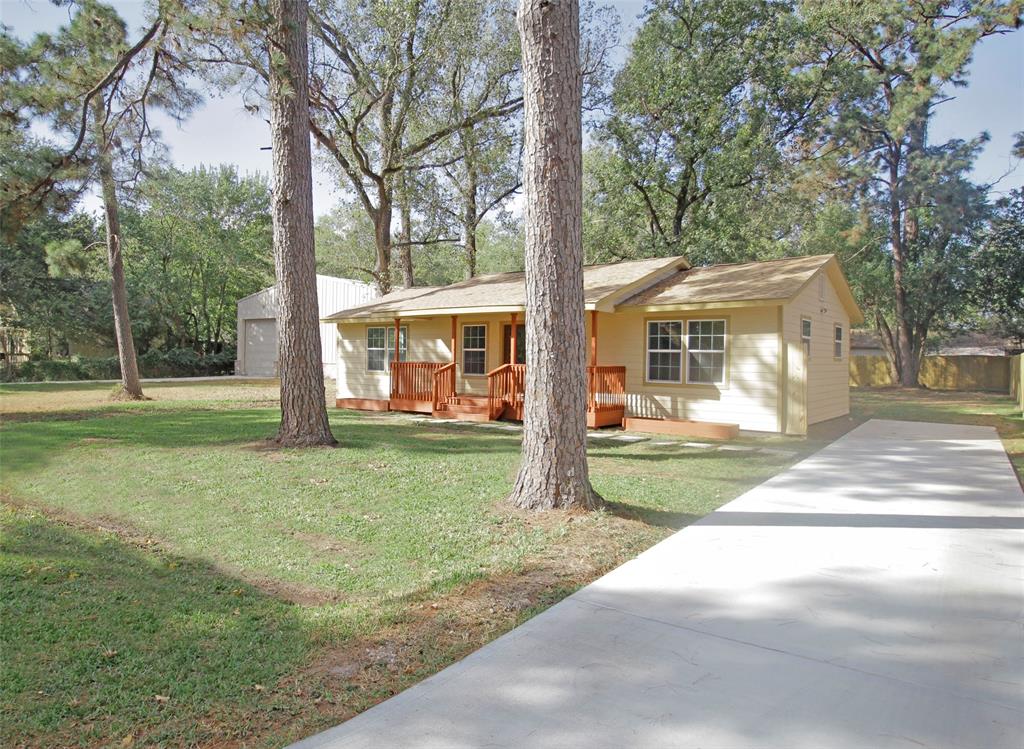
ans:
(665, 351)
(705, 352)
(474, 349)
(380, 347)
(805, 334)
(837, 346)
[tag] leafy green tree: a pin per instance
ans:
(196, 242)
(95, 91)
(484, 174)
(379, 88)
(898, 60)
(344, 243)
(480, 165)
(999, 262)
(712, 102)
(53, 289)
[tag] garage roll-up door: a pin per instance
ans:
(261, 347)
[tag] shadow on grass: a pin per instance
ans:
(661, 518)
(29, 445)
(95, 629)
(13, 388)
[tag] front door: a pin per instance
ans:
(506, 346)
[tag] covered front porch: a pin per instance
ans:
(432, 387)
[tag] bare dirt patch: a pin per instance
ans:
(433, 631)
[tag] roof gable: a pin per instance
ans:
(767, 281)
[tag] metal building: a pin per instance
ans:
(257, 323)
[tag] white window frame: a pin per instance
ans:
(837, 341)
(464, 349)
(805, 338)
(724, 352)
(389, 346)
(681, 351)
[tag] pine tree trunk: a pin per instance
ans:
(303, 406)
(131, 386)
(553, 472)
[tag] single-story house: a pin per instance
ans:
(257, 324)
(691, 350)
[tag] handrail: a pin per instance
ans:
(444, 385)
(413, 380)
(506, 386)
(606, 387)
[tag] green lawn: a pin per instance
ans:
(170, 580)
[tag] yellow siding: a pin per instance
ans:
(749, 396)
(429, 340)
(828, 378)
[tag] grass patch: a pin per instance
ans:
(163, 549)
(104, 642)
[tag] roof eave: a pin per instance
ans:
(722, 304)
(388, 315)
(842, 287)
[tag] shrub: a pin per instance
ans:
(174, 363)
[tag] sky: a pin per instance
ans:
(221, 131)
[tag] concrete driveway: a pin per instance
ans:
(871, 596)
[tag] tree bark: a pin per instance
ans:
(469, 222)
(405, 233)
(903, 345)
(553, 472)
(303, 406)
(131, 386)
(382, 237)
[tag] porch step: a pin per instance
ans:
(469, 416)
(470, 400)
(466, 408)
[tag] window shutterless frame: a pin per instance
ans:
(805, 334)
(837, 341)
(380, 347)
(474, 349)
(705, 351)
(664, 347)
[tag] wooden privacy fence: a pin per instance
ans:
(991, 373)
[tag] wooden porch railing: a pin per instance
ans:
(506, 386)
(606, 388)
(413, 380)
(444, 385)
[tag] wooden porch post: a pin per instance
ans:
(398, 339)
(514, 343)
(593, 337)
(455, 331)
